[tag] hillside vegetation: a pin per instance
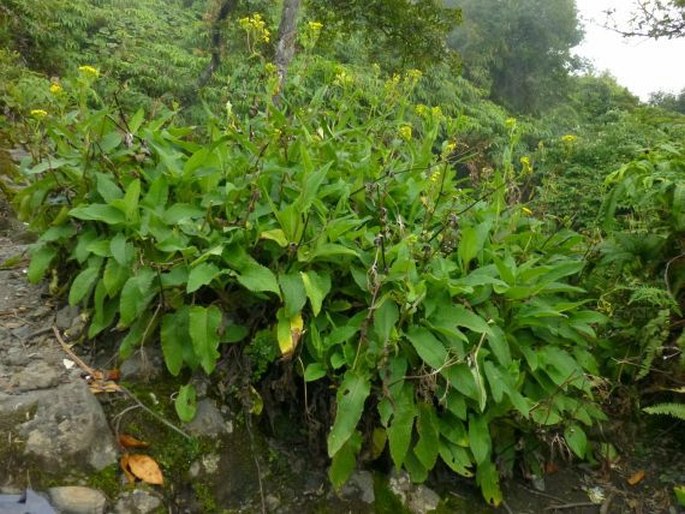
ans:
(454, 244)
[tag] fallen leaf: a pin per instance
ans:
(145, 468)
(104, 387)
(128, 441)
(551, 467)
(112, 374)
(636, 477)
(123, 463)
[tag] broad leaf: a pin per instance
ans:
(429, 347)
(317, 286)
(136, 296)
(203, 326)
(352, 394)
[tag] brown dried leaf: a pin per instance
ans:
(637, 477)
(128, 441)
(123, 463)
(145, 468)
(98, 386)
(113, 375)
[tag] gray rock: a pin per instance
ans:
(77, 500)
(65, 316)
(423, 499)
(144, 365)
(139, 501)
(208, 420)
(68, 429)
(359, 486)
(419, 499)
(37, 374)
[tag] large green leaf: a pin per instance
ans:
(472, 242)
(487, 478)
(352, 394)
(345, 460)
(201, 275)
(176, 345)
(128, 205)
(136, 296)
(257, 278)
(115, 276)
(456, 457)
(576, 440)
(294, 295)
(83, 283)
(427, 447)
(99, 212)
(479, 438)
(203, 325)
(41, 258)
(402, 425)
(429, 347)
(317, 286)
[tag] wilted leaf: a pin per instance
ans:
(288, 331)
(128, 441)
(145, 468)
(637, 477)
(123, 463)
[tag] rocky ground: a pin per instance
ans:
(59, 450)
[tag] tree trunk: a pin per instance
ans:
(285, 47)
(226, 8)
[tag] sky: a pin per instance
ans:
(642, 65)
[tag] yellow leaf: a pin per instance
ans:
(128, 441)
(276, 235)
(636, 477)
(145, 468)
(289, 332)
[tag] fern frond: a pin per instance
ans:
(677, 410)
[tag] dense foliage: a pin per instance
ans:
(383, 239)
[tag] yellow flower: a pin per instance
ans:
(55, 88)
(421, 110)
(526, 165)
(448, 148)
(510, 123)
(256, 26)
(414, 74)
(568, 139)
(39, 114)
(89, 71)
(315, 26)
(405, 132)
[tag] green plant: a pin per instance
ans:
(640, 261)
(677, 410)
(447, 319)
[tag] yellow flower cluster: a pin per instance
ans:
(568, 139)
(448, 148)
(39, 114)
(405, 132)
(429, 112)
(526, 165)
(256, 26)
(55, 88)
(89, 71)
(315, 26)
(342, 78)
(510, 123)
